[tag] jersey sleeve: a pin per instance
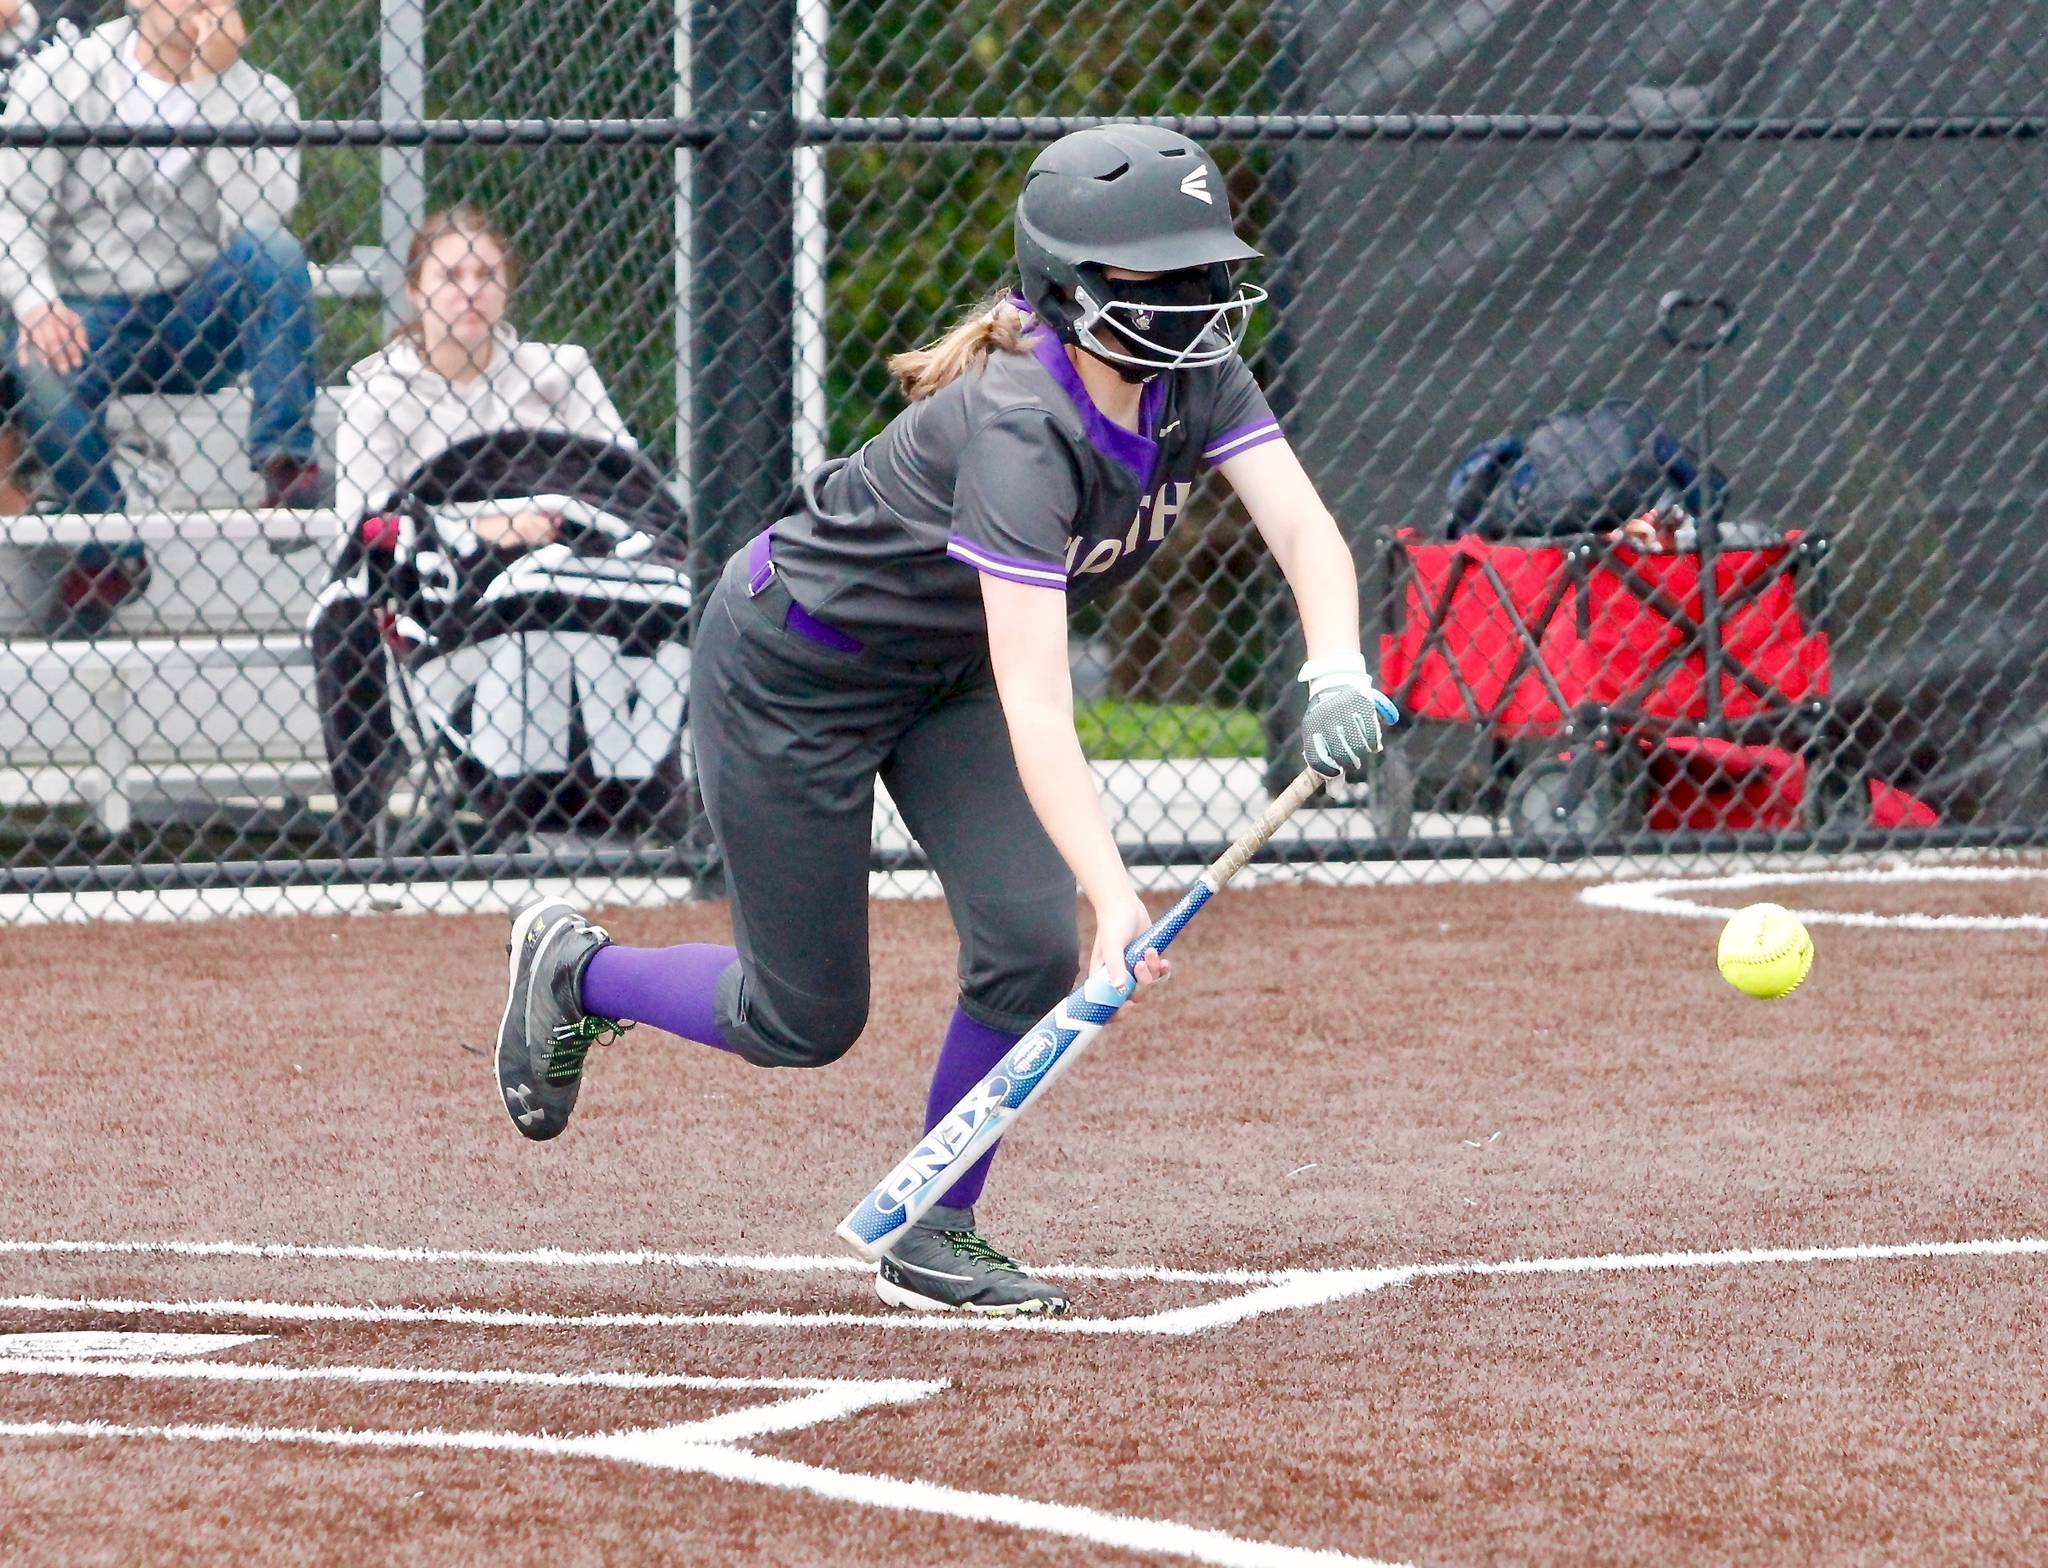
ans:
(1015, 500)
(1239, 418)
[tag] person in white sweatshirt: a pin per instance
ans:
(165, 269)
(457, 370)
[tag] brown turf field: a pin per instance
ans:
(1335, 1080)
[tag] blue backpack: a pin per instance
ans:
(1581, 470)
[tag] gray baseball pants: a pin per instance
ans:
(791, 732)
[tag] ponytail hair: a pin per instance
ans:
(996, 325)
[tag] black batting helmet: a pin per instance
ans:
(1136, 198)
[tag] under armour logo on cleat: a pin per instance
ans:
(523, 1110)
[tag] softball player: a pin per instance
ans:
(907, 619)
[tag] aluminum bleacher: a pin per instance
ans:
(209, 663)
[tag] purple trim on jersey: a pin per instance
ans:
(1011, 568)
(760, 562)
(1242, 439)
(761, 572)
(805, 624)
(1137, 453)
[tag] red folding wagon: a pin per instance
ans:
(1624, 688)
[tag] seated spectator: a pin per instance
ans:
(166, 269)
(28, 24)
(455, 372)
(458, 370)
(18, 23)
(22, 27)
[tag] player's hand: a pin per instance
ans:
(522, 530)
(1118, 923)
(54, 335)
(1347, 717)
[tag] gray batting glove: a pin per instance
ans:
(1347, 717)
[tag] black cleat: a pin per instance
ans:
(545, 1034)
(943, 1265)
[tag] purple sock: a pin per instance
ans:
(673, 988)
(971, 1049)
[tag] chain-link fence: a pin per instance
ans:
(1674, 372)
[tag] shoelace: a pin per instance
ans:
(572, 1042)
(970, 1245)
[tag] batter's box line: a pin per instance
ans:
(805, 1402)
(1286, 1291)
(636, 1257)
(1259, 1291)
(665, 1449)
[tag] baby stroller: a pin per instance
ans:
(1673, 677)
(474, 695)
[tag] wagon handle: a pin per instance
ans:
(1697, 323)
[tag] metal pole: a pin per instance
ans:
(1279, 695)
(401, 171)
(684, 159)
(742, 273)
(737, 268)
(810, 240)
(1710, 550)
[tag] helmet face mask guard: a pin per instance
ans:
(1133, 199)
(1173, 321)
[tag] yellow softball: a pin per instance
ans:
(1765, 951)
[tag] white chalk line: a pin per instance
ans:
(186, 905)
(1741, 1257)
(491, 1377)
(105, 1345)
(1306, 1288)
(670, 1449)
(811, 1401)
(1310, 1290)
(505, 895)
(1666, 896)
(694, 1446)
(556, 1258)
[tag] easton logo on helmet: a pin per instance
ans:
(1196, 184)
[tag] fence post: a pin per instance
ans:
(742, 306)
(1278, 699)
(401, 171)
(741, 295)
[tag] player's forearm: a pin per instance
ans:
(1061, 788)
(1324, 579)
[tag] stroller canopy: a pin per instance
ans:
(617, 480)
(618, 569)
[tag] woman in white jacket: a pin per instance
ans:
(456, 371)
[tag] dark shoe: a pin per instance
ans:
(545, 1034)
(943, 1265)
(93, 587)
(293, 483)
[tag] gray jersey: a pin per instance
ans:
(1012, 471)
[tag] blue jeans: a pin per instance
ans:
(251, 309)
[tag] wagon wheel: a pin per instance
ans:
(1543, 804)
